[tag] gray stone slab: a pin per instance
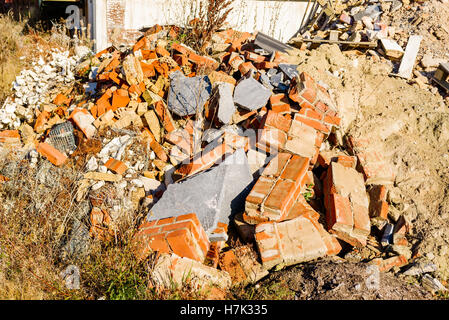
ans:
(226, 106)
(265, 80)
(215, 195)
(289, 70)
(251, 94)
(186, 95)
(277, 79)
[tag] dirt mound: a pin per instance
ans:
(409, 124)
(327, 280)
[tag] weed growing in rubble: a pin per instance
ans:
(210, 16)
(308, 194)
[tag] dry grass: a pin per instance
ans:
(37, 212)
(36, 205)
(10, 64)
(22, 44)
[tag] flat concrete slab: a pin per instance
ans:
(215, 195)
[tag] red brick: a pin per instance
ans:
(41, 120)
(53, 155)
(116, 166)
(362, 225)
(313, 123)
(9, 136)
(158, 150)
(235, 62)
(271, 140)
(84, 120)
(245, 67)
(207, 159)
(229, 263)
(308, 93)
(386, 265)
(182, 139)
(162, 52)
(254, 57)
(279, 99)
(185, 238)
(277, 120)
(203, 61)
(236, 141)
(347, 161)
(293, 241)
(180, 48)
(266, 65)
(62, 100)
(260, 191)
(280, 199)
(339, 216)
(310, 113)
(277, 164)
(296, 168)
(100, 221)
(119, 101)
(148, 54)
(182, 244)
(147, 69)
(164, 116)
(332, 120)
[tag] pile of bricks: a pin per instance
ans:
(304, 200)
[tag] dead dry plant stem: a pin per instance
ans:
(211, 16)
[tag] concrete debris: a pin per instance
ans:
(409, 58)
(32, 87)
(187, 96)
(171, 269)
(226, 107)
(392, 48)
(251, 94)
(419, 268)
(215, 196)
(246, 139)
(432, 284)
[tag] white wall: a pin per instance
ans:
(279, 19)
(97, 19)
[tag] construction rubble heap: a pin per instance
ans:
(237, 144)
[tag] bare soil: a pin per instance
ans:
(330, 280)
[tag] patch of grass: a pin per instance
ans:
(309, 192)
(267, 290)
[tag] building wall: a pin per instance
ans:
(119, 21)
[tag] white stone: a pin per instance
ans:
(92, 164)
(98, 185)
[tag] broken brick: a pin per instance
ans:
(182, 235)
(273, 196)
(52, 154)
(116, 166)
(346, 204)
(290, 242)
